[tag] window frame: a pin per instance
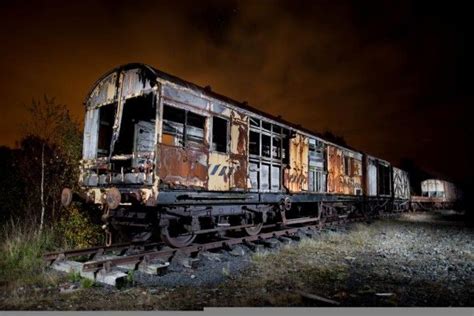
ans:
(185, 141)
(227, 140)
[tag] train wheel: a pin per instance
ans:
(254, 230)
(175, 240)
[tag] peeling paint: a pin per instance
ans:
(296, 176)
(342, 179)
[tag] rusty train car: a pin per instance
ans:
(165, 158)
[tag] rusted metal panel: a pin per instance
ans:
(239, 151)
(183, 167)
(401, 185)
(296, 177)
(344, 179)
(228, 171)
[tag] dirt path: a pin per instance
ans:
(423, 259)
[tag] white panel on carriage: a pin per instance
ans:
(253, 175)
(183, 96)
(265, 177)
(91, 134)
(104, 92)
(133, 83)
(372, 179)
(276, 176)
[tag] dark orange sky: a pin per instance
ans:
(392, 77)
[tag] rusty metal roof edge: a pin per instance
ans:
(210, 93)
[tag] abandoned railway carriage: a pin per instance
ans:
(165, 157)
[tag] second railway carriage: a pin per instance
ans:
(162, 156)
(437, 194)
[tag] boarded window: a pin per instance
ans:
(219, 134)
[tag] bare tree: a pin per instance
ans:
(51, 124)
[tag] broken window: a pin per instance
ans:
(195, 128)
(265, 145)
(173, 126)
(276, 148)
(219, 134)
(267, 148)
(137, 126)
(177, 121)
(254, 122)
(254, 143)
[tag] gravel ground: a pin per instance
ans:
(421, 259)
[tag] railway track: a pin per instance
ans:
(101, 263)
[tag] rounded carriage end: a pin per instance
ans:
(66, 197)
(113, 198)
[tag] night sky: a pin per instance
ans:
(392, 78)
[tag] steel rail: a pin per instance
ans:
(167, 254)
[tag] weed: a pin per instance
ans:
(131, 277)
(87, 283)
(74, 276)
(22, 248)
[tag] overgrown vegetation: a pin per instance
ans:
(32, 220)
(22, 247)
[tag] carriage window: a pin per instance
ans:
(195, 127)
(276, 149)
(219, 134)
(173, 126)
(265, 145)
(176, 121)
(267, 126)
(254, 143)
(254, 122)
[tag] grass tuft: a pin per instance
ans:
(21, 249)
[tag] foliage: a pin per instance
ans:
(49, 127)
(87, 283)
(74, 276)
(78, 230)
(22, 248)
